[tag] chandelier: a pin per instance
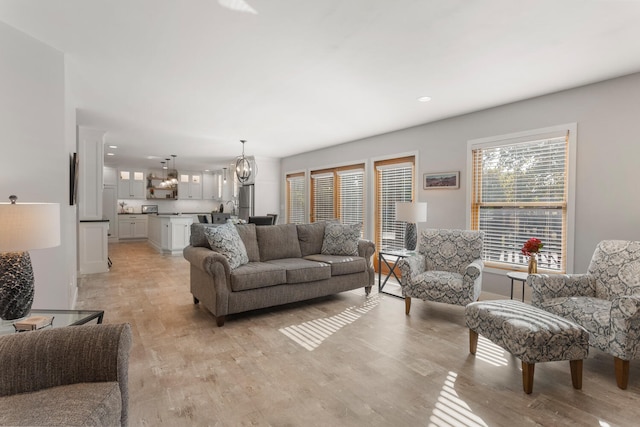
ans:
(245, 167)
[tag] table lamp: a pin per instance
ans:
(23, 226)
(411, 213)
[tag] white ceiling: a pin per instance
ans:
(192, 78)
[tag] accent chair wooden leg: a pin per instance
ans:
(407, 305)
(576, 373)
(622, 372)
(527, 376)
(473, 341)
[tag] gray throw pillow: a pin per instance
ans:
(341, 239)
(226, 240)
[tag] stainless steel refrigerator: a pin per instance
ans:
(246, 200)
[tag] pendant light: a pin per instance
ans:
(174, 172)
(244, 167)
(163, 183)
(224, 174)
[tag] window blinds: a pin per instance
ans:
(296, 199)
(394, 184)
(519, 192)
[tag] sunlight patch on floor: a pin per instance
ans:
(450, 410)
(312, 333)
(490, 352)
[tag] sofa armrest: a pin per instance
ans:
(36, 360)
(411, 266)
(473, 271)
(209, 261)
(366, 248)
(548, 286)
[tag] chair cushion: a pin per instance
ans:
(591, 313)
(226, 240)
(81, 404)
(341, 239)
(248, 235)
(441, 286)
(615, 264)
(257, 275)
(340, 264)
(301, 270)
(450, 250)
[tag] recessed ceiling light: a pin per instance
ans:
(424, 99)
(113, 146)
(110, 154)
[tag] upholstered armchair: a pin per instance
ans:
(605, 301)
(69, 376)
(447, 268)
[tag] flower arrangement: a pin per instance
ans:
(532, 246)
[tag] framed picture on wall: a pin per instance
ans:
(73, 178)
(441, 180)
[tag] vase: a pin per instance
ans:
(533, 264)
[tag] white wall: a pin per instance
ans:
(607, 190)
(35, 148)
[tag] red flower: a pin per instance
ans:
(532, 246)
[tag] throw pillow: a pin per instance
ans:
(226, 240)
(341, 239)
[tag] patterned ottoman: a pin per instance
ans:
(530, 334)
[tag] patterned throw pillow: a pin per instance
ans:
(341, 239)
(226, 240)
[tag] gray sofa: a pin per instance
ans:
(70, 376)
(285, 264)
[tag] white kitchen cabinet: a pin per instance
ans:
(170, 234)
(210, 188)
(132, 227)
(131, 184)
(190, 186)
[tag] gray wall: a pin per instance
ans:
(37, 136)
(608, 151)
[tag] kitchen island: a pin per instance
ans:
(169, 233)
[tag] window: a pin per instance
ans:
(338, 193)
(520, 189)
(295, 198)
(394, 183)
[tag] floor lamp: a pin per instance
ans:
(411, 213)
(23, 226)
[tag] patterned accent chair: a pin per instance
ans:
(447, 268)
(605, 301)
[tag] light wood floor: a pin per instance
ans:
(345, 360)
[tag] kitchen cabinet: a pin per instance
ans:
(131, 184)
(190, 186)
(132, 227)
(170, 234)
(211, 189)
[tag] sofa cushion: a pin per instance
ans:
(81, 404)
(300, 270)
(341, 264)
(278, 241)
(226, 240)
(341, 239)
(247, 233)
(257, 275)
(310, 237)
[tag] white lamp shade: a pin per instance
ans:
(411, 212)
(25, 226)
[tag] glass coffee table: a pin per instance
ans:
(61, 318)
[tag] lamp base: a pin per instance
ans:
(16, 285)
(410, 237)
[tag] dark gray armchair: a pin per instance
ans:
(76, 375)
